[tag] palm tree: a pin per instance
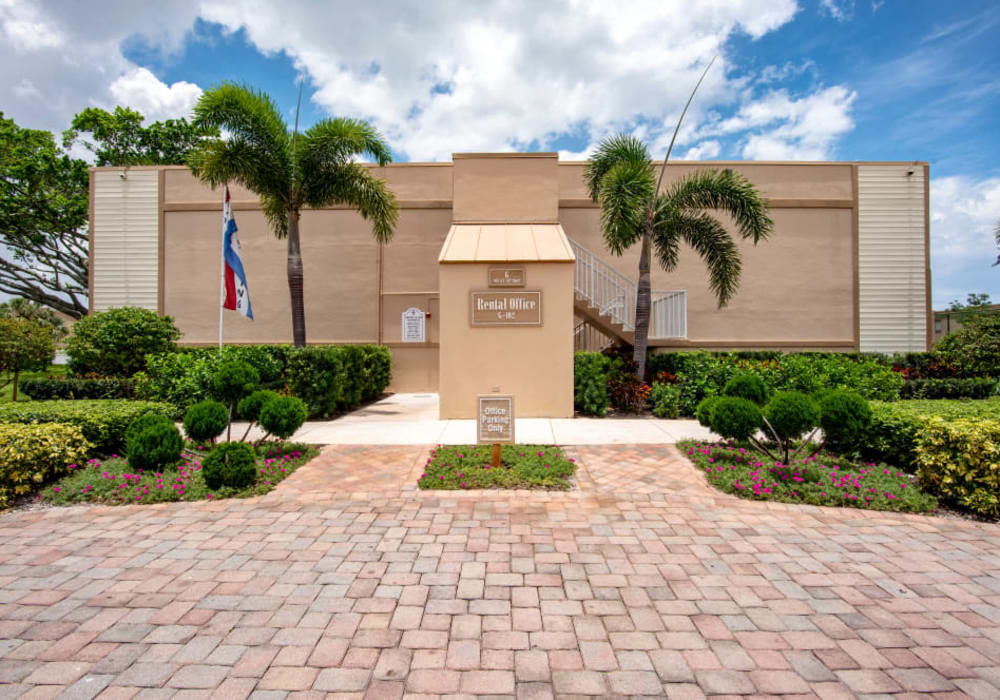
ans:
(289, 171)
(621, 177)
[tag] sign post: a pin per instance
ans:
(495, 424)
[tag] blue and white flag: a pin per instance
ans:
(237, 296)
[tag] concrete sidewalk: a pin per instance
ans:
(412, 419)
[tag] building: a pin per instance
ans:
(846, 269)
(948, 321)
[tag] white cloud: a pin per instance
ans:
(964, 213)
(141, 90)
(840, 10)
(705, 150)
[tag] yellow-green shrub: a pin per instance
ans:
(30, 455)
(960, 462)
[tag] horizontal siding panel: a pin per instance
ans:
(892, 273)
(126, 240)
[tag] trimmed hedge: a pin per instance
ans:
(30, 455)
(77, 388)
(973, 388)
(103, 422)
(960, 463)
(590, 383)
(895, 427)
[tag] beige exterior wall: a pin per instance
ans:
(156, 244)
(534, 363)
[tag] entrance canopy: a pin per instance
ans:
(490, 243)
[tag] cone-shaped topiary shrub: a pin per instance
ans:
(792, 414)
(232, 464)
(205, 421)
(249, 406)
(282, 416)
(747, 386)
(155, 445)
(735, 418)
(703, 412)
(844, 417)
(233, 380)
(141, 423)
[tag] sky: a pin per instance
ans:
(909, 80)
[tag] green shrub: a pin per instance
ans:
(77, 388)
(282, 416)
(747, 386)
(734, 418)
(249, 406)
(30, 455)
(116, 342)
(895, 427)
(377, 365)
(960, 463)
(952, 388)
(154, 445)
(232, 381)
(844, 417)
(704, 411)
(24, 346)
(590, 383)
(205, 421)
(141, 423)
(103, 422)
(974, 349)
(230, 464)
(665, 399)
(316, 375)
(791, 414)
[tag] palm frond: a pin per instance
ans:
(728, 191)
(341, 140)
(352, 184)
(621, 148)
(715, 245)
(276, 212)
(625, 192)
(665, 240)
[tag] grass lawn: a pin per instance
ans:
(453, 468)
(823, 480)
(7, 393)
(111, 481)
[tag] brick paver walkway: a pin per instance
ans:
(348, 581)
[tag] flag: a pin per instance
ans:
(237, 294)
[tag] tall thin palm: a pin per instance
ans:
(621, 177)
(290, 171)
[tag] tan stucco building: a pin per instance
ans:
(846, 268)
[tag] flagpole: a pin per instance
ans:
(222, 265)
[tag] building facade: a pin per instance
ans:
(847, 267)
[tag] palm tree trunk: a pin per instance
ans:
(642, 306)
(296, 281)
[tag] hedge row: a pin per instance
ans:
(77, 388)
(972, 388)
(329, 378)
(896, 427)
(102, 422)
(30, 455)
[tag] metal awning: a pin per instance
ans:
(498, 243)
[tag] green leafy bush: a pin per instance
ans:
(892, 435)
(970, 388)
(48, 388)
(665, 399)
(703, 412)
(844, 417)
(103, 422)
(232, 381)
(205, 421)
(249, 407)
(521, 467)
(282, 416)
(230, 464)
(116, 342)
(141, 423)
(734, 418)
(30, 455)
(747, 386)
(24, 346)
(590, 383)
(153, 444)
(792, 414)
(960, 462)
(974, 349)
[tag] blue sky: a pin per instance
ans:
(806, 80)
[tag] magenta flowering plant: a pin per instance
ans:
(822, 479)
(469, 467)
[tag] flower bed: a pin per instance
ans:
(113, 482)
(822, 480)
(453, 468)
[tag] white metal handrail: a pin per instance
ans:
(613, 294)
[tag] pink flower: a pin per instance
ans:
(56, 489)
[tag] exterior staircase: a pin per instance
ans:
(605, 299)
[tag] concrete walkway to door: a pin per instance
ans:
(412, 419)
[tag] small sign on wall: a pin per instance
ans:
(496, 420)
(508, 276)
(505, 309)
(414, 326)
